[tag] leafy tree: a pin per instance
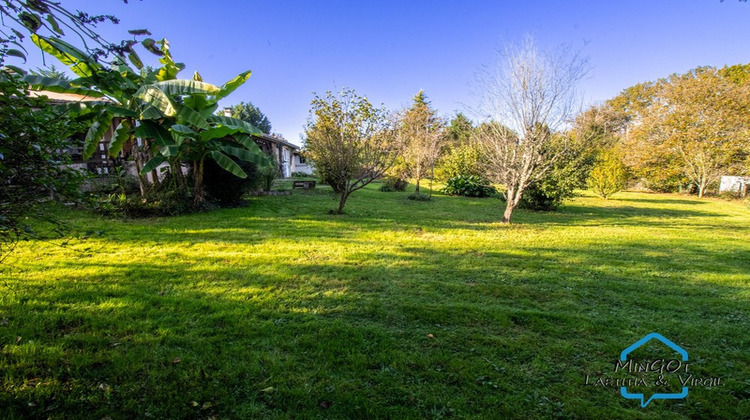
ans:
(51, 72)
(695, 126)
(608, 176)
(251, 114)
(459, 131)
(174, 117)
(32, 171)
(525, 97)
(421, 133)
(350, 142)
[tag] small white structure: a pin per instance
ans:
(735, 184)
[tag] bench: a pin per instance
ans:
(306, 185)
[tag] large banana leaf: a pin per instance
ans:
(152, 164)
(234, 123)
(69, 55)
(155, 97)
(155, 131)
(50, 84)
(95, 134)
(227, 164)
(122, 135)
(248, 155)
(181, 87)
(233, 84)
(190, 117)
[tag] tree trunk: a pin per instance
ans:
(417, 191)
(509, 207)
(142, 182)
(342, 202)
(198, 197)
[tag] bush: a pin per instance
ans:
(160, 200)
(394, 184)
(460, 160)
(419, 197)
(538, 198)
(469, 186)
(301, 175)
(266, 176)
(226, 188)
(608, 176)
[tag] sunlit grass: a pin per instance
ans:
(396, 309)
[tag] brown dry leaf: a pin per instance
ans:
(18, 339)
(176, 360)
(104, 387)
(325, 404)
(430, 335)
(194, 403)
(206, 406)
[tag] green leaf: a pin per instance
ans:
(16, 53)
(154, 130)
(171, 150)
(135, 59)
(233, 84)
(236, 124)
(183, 130)
(227, 164)
(95, 134)
(55, 26)
(77, 60)
(17, 70)
(217, 133)
(191, 117)
(58, 85)
(122, 135)
(253, 156)
(30, 20)
(185, 87)
(150, 45)
(152, 164)
(156, 98)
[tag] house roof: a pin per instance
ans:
(273, 139)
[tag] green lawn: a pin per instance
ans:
(398, 309)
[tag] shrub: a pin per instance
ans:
(419, 197)
(469, 186)
(460, 160)
(266, 176)
(394, 184)
(226, 188)
(301, 175)
(542, 197)
(608, 176)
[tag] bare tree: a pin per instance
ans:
(524, 98)
(350, 141)
(421, 132)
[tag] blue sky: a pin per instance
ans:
(389, 50)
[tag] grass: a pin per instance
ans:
(398, 309)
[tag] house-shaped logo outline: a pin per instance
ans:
(624, 356)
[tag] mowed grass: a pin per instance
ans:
(398, 309)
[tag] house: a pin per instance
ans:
(99, 163)
(288, 156)
(735, 184)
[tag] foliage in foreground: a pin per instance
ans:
(32, 171)
(397, 310)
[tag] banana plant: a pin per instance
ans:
(198, 134)
(174, 117)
